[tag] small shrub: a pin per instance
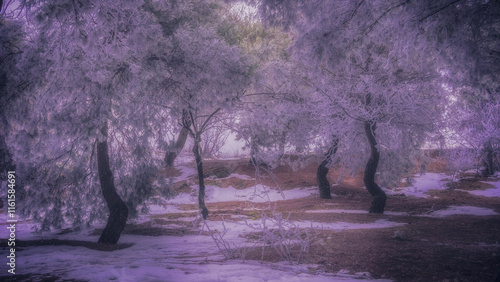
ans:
(286, 238)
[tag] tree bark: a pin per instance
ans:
(323, 184)
(118, 211)
(173, 152)
(379, 196)
(199, 166)
(488, 162)
(6, 162)
(281, 145)
(253, 152)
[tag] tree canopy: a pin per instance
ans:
(94, 93)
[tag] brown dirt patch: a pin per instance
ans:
(470, 184)
(57, 242)
(235, 182)
(150, 229)
(170, 172)
(454, 248)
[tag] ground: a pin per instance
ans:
(434, 229)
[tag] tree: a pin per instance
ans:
(268, 121)
(175, 149)
(369, 65)
(467, 33)
(204, 72)
(212, 77)
(80, 112)
(11, 41)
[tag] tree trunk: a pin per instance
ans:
(254, 152)
(323, 184)
(199, 166)
(379, 197)
(173, 152)
(488, 163)
(6, 162)
(118, 211)
(281, 145)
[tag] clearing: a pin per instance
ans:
(432, 230)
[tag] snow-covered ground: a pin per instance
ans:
(353, 211)
(195, 257)
(437, 181)
(168, 258)
(163, 259)
(462, 210)
(183, 258)
(421, 185)
(492, 192)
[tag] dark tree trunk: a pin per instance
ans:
(488, 162)
(323, 184)
(379, 197)
(199, 166)
(118, 211)
(173, 152)
(253, 152)
(281, 145)
(6, 162)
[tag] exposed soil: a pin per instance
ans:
(20, 244)
(453, 248)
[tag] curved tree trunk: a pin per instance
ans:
(199, 166)
(118, 211)
(173, 152)
(379, 197)
(323, 184)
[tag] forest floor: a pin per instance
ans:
(434, 229)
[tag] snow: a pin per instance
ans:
(158, 259)
(493, 192)
(162, 258)
(182, 258)
(462, 210)
(381, 223)
(166, 208)
(422, 184)
(186, 173)
(235, 229)
(257, 194)
(240, 176)
(195, 257)
(354, 212)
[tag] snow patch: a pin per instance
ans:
(235, 229)
(422, 184)
(240, 176)
(257, 194)
(461, 210)
(353, 211)
(493, 192)
(381, 223)
(186, 172)
(187, 258)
